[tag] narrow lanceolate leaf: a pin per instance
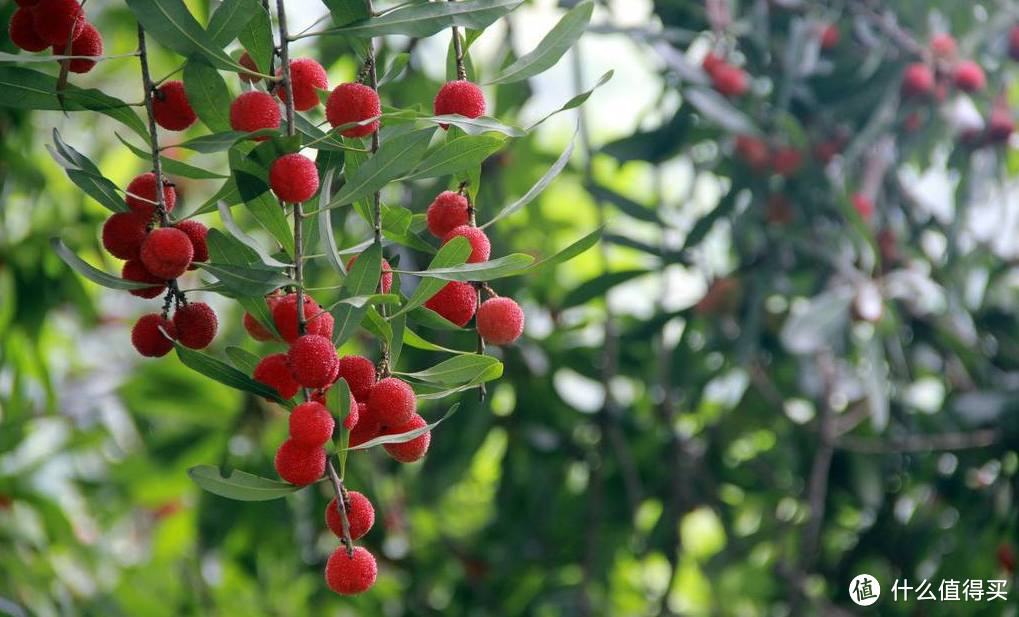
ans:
(404, 437)
(394, 158)
(270, 216)
(173, 167)
(256, 37)
(516, 263)
(225, 249)
(423, 20)
(327, 241)
(363, 280)
(476, 126)
(244, 360)
(249, 281)
(598, 286)
(91, 273)
(570, 251)
(551, 48)
(576, 101)
(225, 374)
(457, 155)
(24, 88)
(230, 19)
(456, 371)
(540, 185)
(170, 23)
(86, 175)
(493, 372)
(453, 253)
(624, 204)
(207, 93)
(396, 66)
(231, 226)
(217, 142)
(344, 12)
(415, 340)
(239, 485)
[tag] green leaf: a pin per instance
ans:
(363, 280)
(173, 167)
(86, 175)
(217, 142)
(430, 319)
(516, 263)
(540, 185)
(170, 23)
(396, 66)
(207, 93)
(404, 437)
(227, 250)
(91, 273)
(346, 11)
(327, 241)
(476, 126)
(598, 286)
(264, 259)
(456, 371)
(416, 341)
(256, 37)
(457, 155)
(570, 251)
(453, 253)
(269, 214)
(244, 360)
(393, 159)
(239, 485)
(230, 19)
(423, 20)
(576, 101)
(28, 89)
(551, 48)
(225, 374)
(623, 203)
(378, 326)
(491, 373)
(250, 281)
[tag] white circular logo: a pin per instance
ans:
(864, 589)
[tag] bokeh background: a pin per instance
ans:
(743, 397)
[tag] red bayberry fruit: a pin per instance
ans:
(312, 361)
(123, 234)
(943, 45)
(391, 401)
(456, 302)
(359, 373)
(969, 77)
(256, 330)
(134, 270)
(141, 195)
(307, 77)
(351, 575)
(365, 429)
(196, 325)
(753, 151)
(246, 61)
(58, 20)
(171, 108)
(480, 246)
(864, 207)
(387, 273)
(500, 321)
(253, 111)
(349, 103)
(1013, 42)
(711, 62)
(167, 252)
(196, 233)
(1006, 558)
(917, 80)
(89, 43)
(284, 315)
(830, 37)
(353, 415)
(147, 337)
(311, 424)
(461, 98)
(447, 212)
(22, 31)
(274, 372)
(299, 464)
(413, 450)
(294, 178)
(730, 80)
(1001, 125)
(360, 515)
(786, 161)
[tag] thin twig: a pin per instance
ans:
(941, 442)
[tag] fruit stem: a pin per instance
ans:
(341, 504)
(461, 71)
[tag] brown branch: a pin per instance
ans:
(461, 70)
(342, 502)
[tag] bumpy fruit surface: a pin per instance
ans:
(500, 321)
(123, 234)
(730, 80)
(413, 450)
(311, 424)
(167, 252)
(307, 78)
(147, 337)
(256, 330)
(969, 77)
(864, 207)
(355, 102)
(134, 270)
(22, 31)
(481, 248)
(299, 464)
(461, 98)
(917, 80)
(365, 429)
(351, 575)
(284, 315)
(386, 278)
(353, 415)
(391, 401)
(360, 515)
(196, 325)
(253, 111)
(447, 212)
(274, 372)
(456, 302)
(141, 195)
(246, 61)
(711, 62)
(56, 20)
(312, 361)
(359, 373)
(294, 178)
(943, 45)
(196, 233)
(89, 43)
(171, 108)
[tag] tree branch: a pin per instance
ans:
(941, 442)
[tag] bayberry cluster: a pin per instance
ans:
(59, 25)
(158, 255)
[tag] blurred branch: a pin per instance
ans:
(921, 443)
(890, 26)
